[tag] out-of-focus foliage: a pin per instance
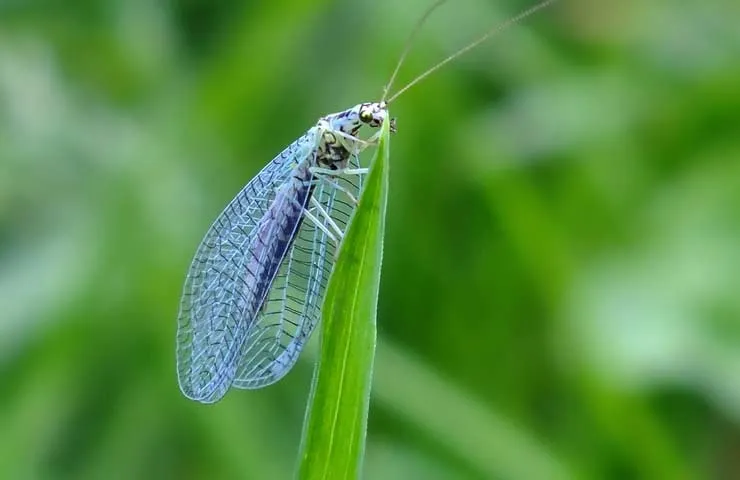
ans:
(562, 254)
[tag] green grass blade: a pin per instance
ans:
(333, 443)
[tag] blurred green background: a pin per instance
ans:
(562, 260)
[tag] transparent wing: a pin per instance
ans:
(233, 269)
(293, 306)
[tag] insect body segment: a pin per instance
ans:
(339, 133)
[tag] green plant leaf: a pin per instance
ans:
(334, 430)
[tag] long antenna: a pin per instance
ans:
(409, 41)
(497, 29)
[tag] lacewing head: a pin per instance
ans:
(372, 114)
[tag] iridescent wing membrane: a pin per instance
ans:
(253, 292)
